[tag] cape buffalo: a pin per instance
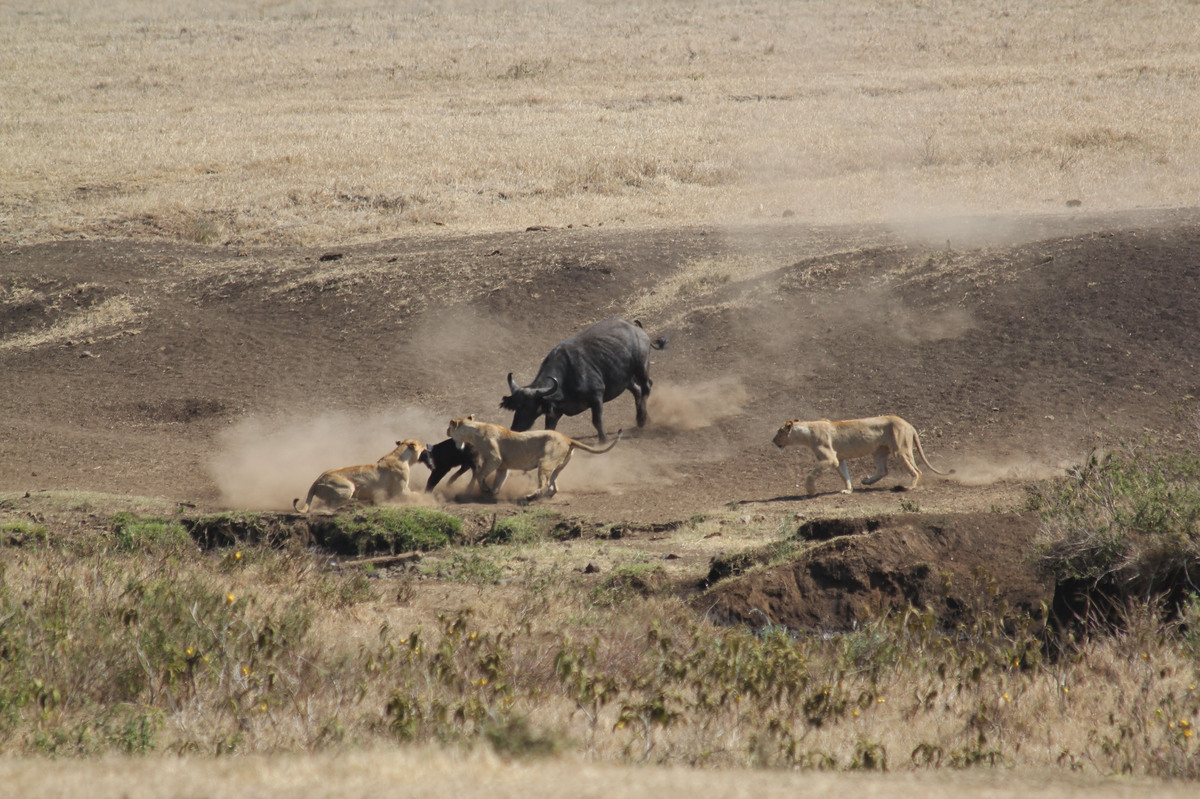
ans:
(443, 458)
(586, 371)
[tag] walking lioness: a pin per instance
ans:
(499, 450)
(836, 442)
(381, 481)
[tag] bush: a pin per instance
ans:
(134, 533)
(522, 528)
(1131, 516)
(387, 530)
(22, 533)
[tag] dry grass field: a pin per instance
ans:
(241, 243)
(320, 122)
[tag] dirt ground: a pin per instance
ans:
(226, 377)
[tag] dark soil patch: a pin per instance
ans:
(946, 563)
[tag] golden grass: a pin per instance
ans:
(110, 317)
(436, 774)
(348, 121)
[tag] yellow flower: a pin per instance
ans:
(262, 707)
(1006, 697)
(245, 671)
(237, 555)
(230, 598)
(189, 651)
(855, 712)
(1066, 690)
(881, 700)
(482, 681)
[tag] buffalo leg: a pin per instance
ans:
(639, 402)
(598, 419)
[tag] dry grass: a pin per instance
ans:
(256, 651)
(112, 317)
(334, 122)
(435, 774)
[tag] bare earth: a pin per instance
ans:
(167, 370)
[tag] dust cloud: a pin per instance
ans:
(465, 355)
(692, 406)
(262, 463)
(625, 466)
(981, 471)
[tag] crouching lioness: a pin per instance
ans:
(381, 481)
(836, 442)
(500, 450)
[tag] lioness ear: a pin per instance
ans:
(471, 417)
(399, 443)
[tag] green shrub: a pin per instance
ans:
(387, 530)
(468, 567)
(21, 533)
(522, 528)
(630, 580)
(1132, 515)
(135, 533)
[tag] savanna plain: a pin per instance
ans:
(243, 243)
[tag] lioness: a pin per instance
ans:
(836, 442)
(499, 449)
(385, 479)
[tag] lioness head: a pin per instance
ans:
(408, 450)
(783, 434)
(455, 427)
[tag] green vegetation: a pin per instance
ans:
(135, 533)
(523, 528)
(1129, 518)
(22, 533)
(387, 529)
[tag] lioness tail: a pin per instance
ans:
(580, 445)
(307, 502)
(924, 460)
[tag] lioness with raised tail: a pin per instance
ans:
(836, 442)
(500, 450)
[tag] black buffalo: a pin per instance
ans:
(584, 372)
(443, 457)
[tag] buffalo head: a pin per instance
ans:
(528, 403)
